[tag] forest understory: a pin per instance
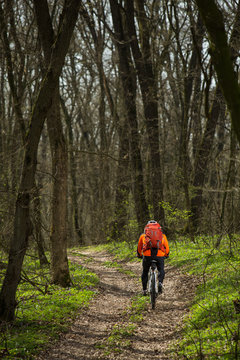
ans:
(108, 330)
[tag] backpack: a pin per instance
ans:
(153, 237)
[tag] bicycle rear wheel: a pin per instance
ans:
(153, 291)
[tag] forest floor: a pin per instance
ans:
(152, 337)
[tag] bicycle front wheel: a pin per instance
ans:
(153, 291)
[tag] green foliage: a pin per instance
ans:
(127, 233)
(123, 251)
(138, 306)
(120, 337)
(211, 330)
(44, 310)
(212, 327)
(174, 217)
(132, 228)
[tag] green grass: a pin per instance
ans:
(123, 251)
(119, 338)
(211, 330)
(138, 307)
(44, 311)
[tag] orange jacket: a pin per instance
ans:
(148, 252)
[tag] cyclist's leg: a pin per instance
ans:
(146, 265)
(161, 271)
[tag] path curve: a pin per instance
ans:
(153, 336)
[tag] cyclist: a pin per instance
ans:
(158, 254)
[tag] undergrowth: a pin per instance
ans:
(122, 251)
(43, 311)
(212, 329)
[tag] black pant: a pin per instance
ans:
(146, 265)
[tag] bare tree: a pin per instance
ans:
(222, 60)
(149, 90)
(17, 82)
(128, 78)
(22, 224)
(58, 237)
(213, 115)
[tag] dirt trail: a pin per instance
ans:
(152, 337)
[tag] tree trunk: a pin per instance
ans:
(72, 165)
(37, 224)
(123, 172)
(202, 157)
(190, 76)
(218, 110)
(16, 95)
(58, 237)
(22, 223)
(222, 60)
(104, 191)
(128, 79)
(122, 184)
(148, 87)
(229, 186)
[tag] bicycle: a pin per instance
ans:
(153, 283)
